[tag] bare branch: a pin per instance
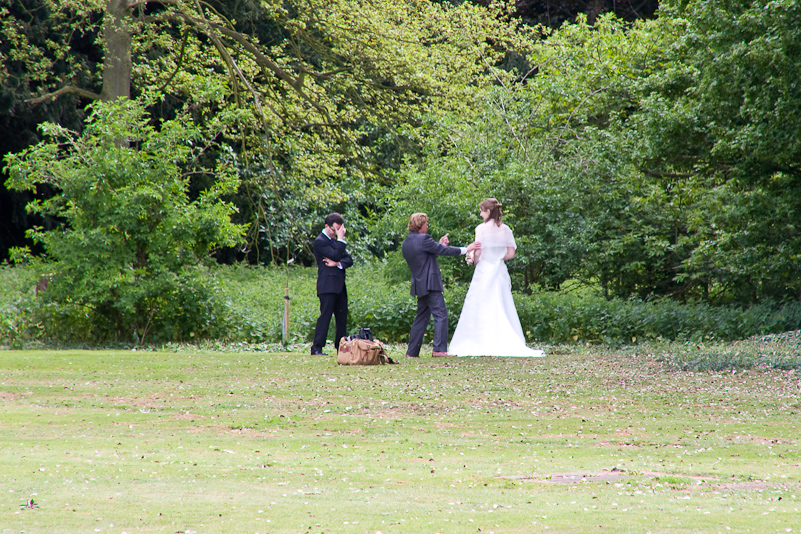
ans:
(70, 89)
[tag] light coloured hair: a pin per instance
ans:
(416, 221)
(494, 207)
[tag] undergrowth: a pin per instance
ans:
(689, 336)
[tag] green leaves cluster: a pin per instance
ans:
(336, 91)
(740, 146)
(654, 159)
(131, 255)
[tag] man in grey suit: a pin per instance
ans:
(420, 251)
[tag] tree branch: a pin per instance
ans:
(69, 89)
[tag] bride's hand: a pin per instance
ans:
(475, 245)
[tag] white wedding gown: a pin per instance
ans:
(489, 325)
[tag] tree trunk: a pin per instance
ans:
(118, 42)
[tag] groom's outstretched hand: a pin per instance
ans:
(475, 245)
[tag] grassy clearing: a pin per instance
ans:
(579, 441)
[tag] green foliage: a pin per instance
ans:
(131, 260)
(589, 317)
(17, 290)
(540, 148)
(254, 302)
(385, 306)
(654, 160)
(643, 157)
(43, 47)
(724, 119)
(254, 298)
(777, 351)
(249, 307)
(335, 91)
(362, 78)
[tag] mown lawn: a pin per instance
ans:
(583, 440)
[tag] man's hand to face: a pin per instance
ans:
(337, 231)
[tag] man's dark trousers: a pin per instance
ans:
(428, 305)
(335, 304)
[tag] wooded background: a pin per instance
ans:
(649, 150)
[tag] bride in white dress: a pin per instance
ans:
(489, 325)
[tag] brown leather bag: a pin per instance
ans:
(362, 352)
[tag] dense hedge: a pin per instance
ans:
(250, 303)
(565, 318)
(254, 298)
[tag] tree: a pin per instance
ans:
(335, 91)
(31, 56)
(657, 159)
(723, 121)
(128, 262)
(542, 144)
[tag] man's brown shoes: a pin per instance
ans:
(440, 354)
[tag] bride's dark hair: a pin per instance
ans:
(494, 207)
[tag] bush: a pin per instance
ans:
(16, 297)
(245, 304)
(254, 302)
(383, 303)
(586, 317)
(128, 265)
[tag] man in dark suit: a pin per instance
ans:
(420, 251)
(332, 260)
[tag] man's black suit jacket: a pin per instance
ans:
(330, 279)
(420, 251)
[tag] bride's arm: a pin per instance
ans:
(510, 253)
(477, 252)
(476, 256)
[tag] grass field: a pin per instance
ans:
(581, 441)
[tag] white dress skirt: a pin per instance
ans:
(488, 324)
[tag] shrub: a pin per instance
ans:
(129, 264)
(17, 291)
(245, 304)
(254, 302)
(587, 317)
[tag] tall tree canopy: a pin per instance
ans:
(335, 90)
(658, 159)
(723, 124)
